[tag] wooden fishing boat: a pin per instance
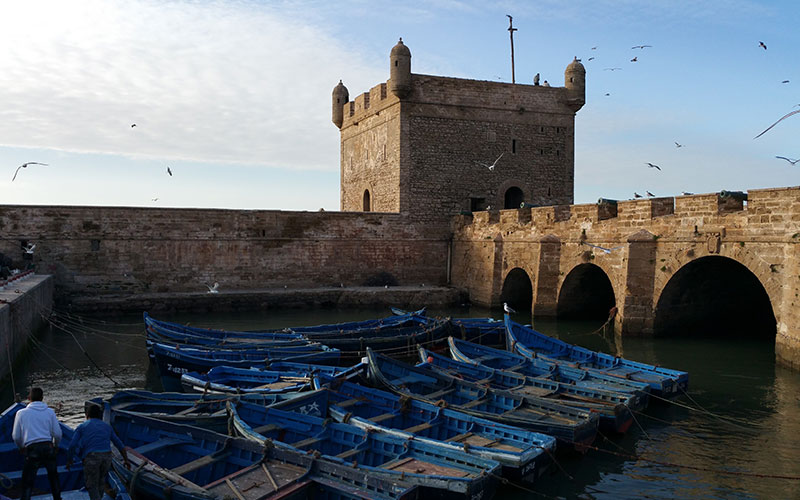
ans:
(574, 428)
(437, 470)
(529, 342)
(523, 454)
(180, 462)
(469, 352)
(483, 331)
(71, 479)
(614, 410)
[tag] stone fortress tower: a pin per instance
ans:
(421, 144)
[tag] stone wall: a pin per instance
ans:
(114, 250)
(24, 305)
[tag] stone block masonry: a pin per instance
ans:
(24, 305)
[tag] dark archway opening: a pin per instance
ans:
(513, 198)
(518, 291)
(367, 201)
(586, 294)
(714, 297)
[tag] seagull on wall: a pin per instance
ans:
(648, 193)
(686, 193)
(507, 308)
(29, 248)
(602, 249)
(636, 195)
(790, 160)
(787, 115)
(651, 165)
(491, 167)
(214, 288)
(25, 165)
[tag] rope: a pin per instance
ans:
(11, 371)
(729, 420)
(6, 482)
(519, 486)
(92, 360)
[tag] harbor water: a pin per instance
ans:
(734, 435)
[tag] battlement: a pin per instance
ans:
(368, 104)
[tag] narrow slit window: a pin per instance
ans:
(513, 146)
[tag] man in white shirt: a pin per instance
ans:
(37, 433)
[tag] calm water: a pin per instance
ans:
(737, 429)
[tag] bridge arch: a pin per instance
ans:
(715, 296)
(518, 290)
(586, 293)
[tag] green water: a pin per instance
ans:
(735, 432)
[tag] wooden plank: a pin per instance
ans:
(349, 402)
(348, 453)
(198, 463)
(266, 428)
(306, 442)
(161, 443)
(235, 490)
(381, 418)
(460, 437)
(138, 460)
(418, 428)
(269, 476)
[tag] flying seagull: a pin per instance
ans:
(155, 199)
(636, 195)
(594, 48)
(611, 69)
(787, 115)
(29, 248)
(169, 171)
(25, 165)
(507, 308)
(590, 58)
(602, 249)
(640, 46)
(634, 59)
(133, 125)
(648, 193)
(790, 160)
(213, 289)
(678, 145)
(785, 81)
(650, 165)
(608, 94)
(491, 167)
(762, 45)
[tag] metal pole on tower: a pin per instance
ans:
(511, 30)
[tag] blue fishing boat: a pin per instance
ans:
(614, 410)
(483, 331)
(574, 428)
(468, 352)
(174, 361)
(180, 462)
(523, 454)
(445, 472)
(71, 479)
(530, 343)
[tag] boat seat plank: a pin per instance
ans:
(348, 453)
(381, 418)
(266, 428)
(161, 443)
(416, 466)
(198, 463)
(419, 427)
(307, 442)
(460, 437)
(473, 403)
(349, 402)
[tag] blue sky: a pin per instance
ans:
(235, 96)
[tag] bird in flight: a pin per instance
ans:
(491, 167)
(636, 195)
(790, 160)
(640, 46)
(214, 288)
(634, 59)
(678, 145)
(594, 48)
(607, 94)
(785, 81)
(648, 193)
(787, 115)
(651, 165)
(155, 199)
(25, 165)
(602, 249)
(762, 45)
(29, 248)
(169, 171)
(133, 125)
(611, 69)
(507, 308)
(591, 58)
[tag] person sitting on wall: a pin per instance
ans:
(37, 433)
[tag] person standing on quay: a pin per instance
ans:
(37, 433)
(92, 442)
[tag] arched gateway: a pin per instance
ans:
(586, 294)
(518, 290)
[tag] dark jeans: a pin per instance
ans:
(95, 469)
(40, 455)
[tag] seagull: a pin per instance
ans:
(507, 308)
(29, 248)
(603, 249)
(634, 59)
(607, 94)
(594, 48)
(155, 199)
(787, 115)
(785, 81)
(640, 46)
(133, 125)
(491, 167)
(169, 171)
(790, 160)
(648, 193)
(213, 289)
(678, 145)
(650, 165)
(25, 165)
(762, 45)
(686, 193)
(636, 195)
(590, 58)
(611, 69)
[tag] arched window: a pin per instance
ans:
(514, 198)
(367, 202)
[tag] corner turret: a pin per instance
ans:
(340, 98)
(575, 83)
(400, 70)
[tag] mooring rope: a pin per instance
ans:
(11, 370)
(739, 423)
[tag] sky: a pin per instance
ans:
(235, 96)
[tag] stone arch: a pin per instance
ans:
(518, 290)
(513, 197)
(367, 199)
(715, 295)
(586, 293)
